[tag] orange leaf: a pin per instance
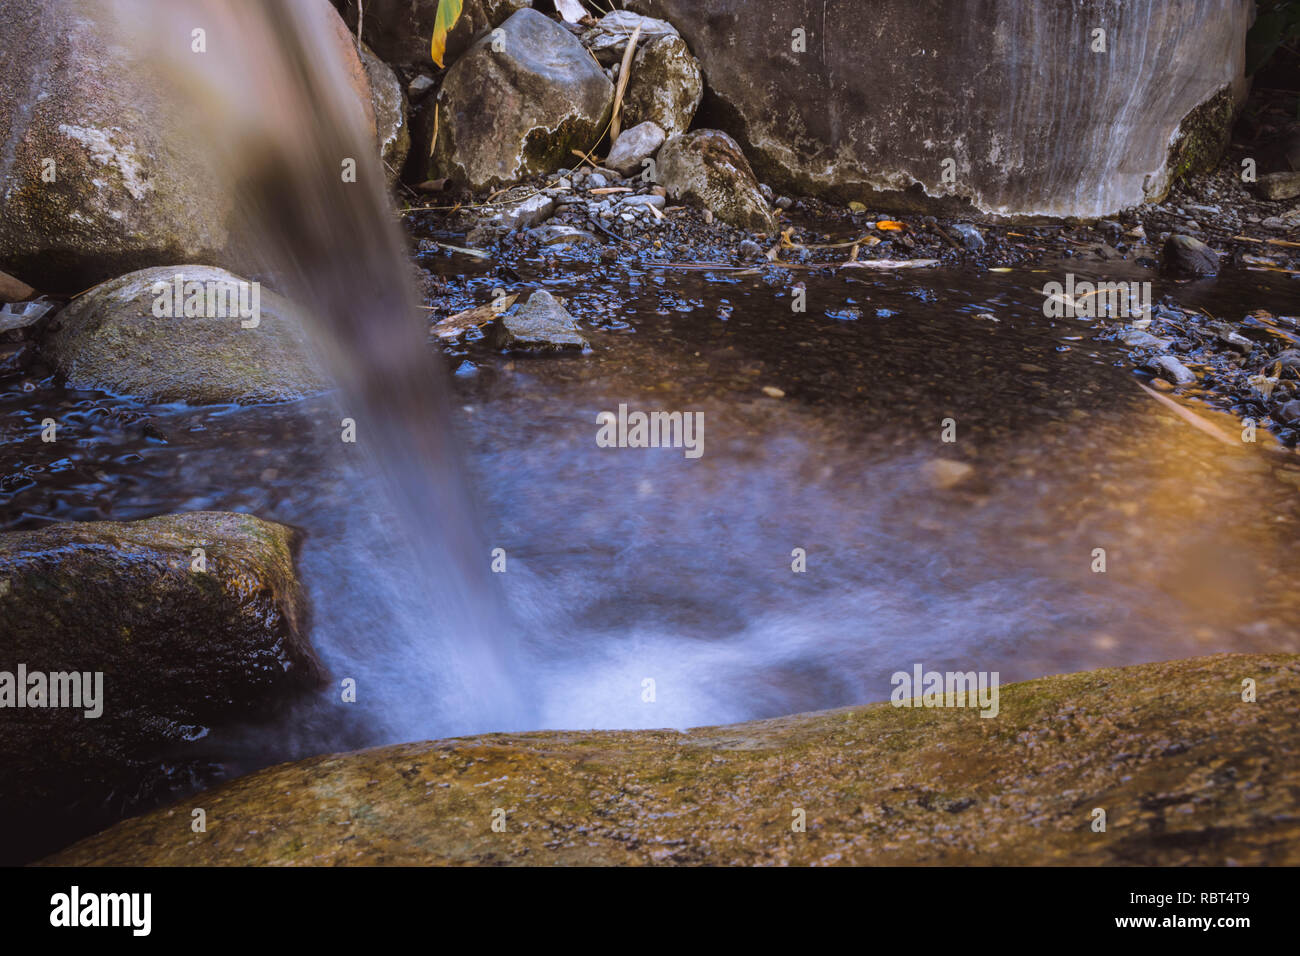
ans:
(889, 225)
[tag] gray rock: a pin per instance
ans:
(608, 37)
(517, 113)
(111, 339)
(633, 145)
(1138, 339)
(521, 214)
(596, 181)
(648, 199)
(750, 249)
(665, 87)
(556, 234)
(970, 236)
(389, 105)
(542, 325)
(707, 167)
(1183, 254)
(1172, 370)
(1279, 186)
(1289, 414)
(830, 120)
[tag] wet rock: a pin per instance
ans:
(825, 116)
(517, 113)
(1289, 414)
(1138, 339)
(133, 186)
(113, 338)
(887, 784)
(1279, 186)
(14, 290)
(1171, 370)
(633, 145)
(608, 37)
(749, 249)
(399, 30)
(944, 473)
(969, 236)
(1183, 254)
(542, 325)
(554, 234)
(389, 104)
(665, 87)
(707, 167)
(182, 644)
(520, 214)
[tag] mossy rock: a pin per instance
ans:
(179, 649)
(110, 339)
(1187, 772)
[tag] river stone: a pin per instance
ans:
(389, 104)
(1279, 186)
(542, 325)
(512, 114)
(399, 31)
(608, 37)
(179, 649)
(1188, 773)
(633, 145)
(133, 185)
(707, 167)
(110, 339)
(665, 87)
(1185, 254)
(879, 94)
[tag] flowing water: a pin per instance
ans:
(632, 565)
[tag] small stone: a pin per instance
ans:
(419, 86)
(970, 237)
(944, 473)
(1172, 370)
(542, 325)
(771, 391)
(1279, 186)
(749, 249)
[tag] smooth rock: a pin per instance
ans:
(1188, 774)
(634, 145)
(707, 167)
(1172, 370)
(1279, 186)
(944, 473)
(110, 339)
(518, 113)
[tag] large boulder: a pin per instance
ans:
(183, 640)
(867, 99)
(517, 107)
(400, 31)
(665, 86)
(102, 168)
(115, 339)
(388, 101)
(1187, 772)
(707, 167)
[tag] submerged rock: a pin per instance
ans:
(665, 87)
(542, 325)
(112, 339)
(510, 114)
(1186, 771)
(707, 167)
(1190, 256)
(184, 639)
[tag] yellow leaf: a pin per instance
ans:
(446, 17)
(889, 225)
(856, 206)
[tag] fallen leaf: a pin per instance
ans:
(477, 317)
(890, 225)
(443, 21)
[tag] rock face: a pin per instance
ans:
(853, 100)
(513, 113)
(112, 338)
(178, 649)
(665, 87)
(707, 167)
(389, 103)
(131, 187)
(1187, 772)
(542, 325)
(399, 31)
